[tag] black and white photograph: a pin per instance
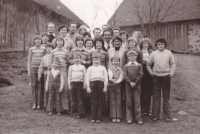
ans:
(99, 66)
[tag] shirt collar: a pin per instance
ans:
(98, 51)
(135, 62)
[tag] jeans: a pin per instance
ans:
(96, 99)
(164, 84)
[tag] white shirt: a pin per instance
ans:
(145, 55)
(54, 72)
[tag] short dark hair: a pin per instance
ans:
(86, 33)
(117, 38)
(61, 27)
(96, 28)
(115, 28)
(106, 31)
(49, 44)
(124, 32)
(162, 40)
(89, 39)
(79, 37)
(98, 38)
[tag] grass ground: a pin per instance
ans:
(16, 115)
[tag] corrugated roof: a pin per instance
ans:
(61, 9)
(181, 10)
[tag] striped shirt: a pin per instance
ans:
(44, 64)
(63, 56)
(35, 56)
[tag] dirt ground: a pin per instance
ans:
(17, 117)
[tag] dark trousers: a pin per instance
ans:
(54, 100)
(164, 84)
(133, 96)
(76, 98)
(146, 90)
(96, 99)
(115, 100)
(35, 86)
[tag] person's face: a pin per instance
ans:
(45, 39)
(59, 43)
(115, 32)
(132, 45)
(124, 37)
(79, 43)
(107, 36)
(77, 59)
(117, 43)
(50, 28)
(105, 28)
(55, 65)
(145, 45)
(48, 49)
(37, 42)
(63, 31)
(98, 45)
(97, 32)
(86, 37)
(96, 61)
(115, 62)
(161, 46)
(132, 58)
(89, 45)
(72, 28)
(82, 30)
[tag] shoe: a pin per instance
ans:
(38, 107)
(58, 113)
(140, 122)
(129, 122)
(155, 118)
(98, 121)
(167, 120)
(78, 116)
(113, 120)
(118, 120)
(34, 106)
(92, 121)
(50, 113)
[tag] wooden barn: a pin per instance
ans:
(179, 22)
(20, 20)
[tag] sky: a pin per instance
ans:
(95, 13)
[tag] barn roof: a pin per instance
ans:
(61, 9)
(125, 15)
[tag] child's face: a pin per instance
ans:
(37, 42)
(98, 45)
(115, 62)
(45, 39)
(131, 45)
(86, 37)
(89, 45)
(77, 59)
(63, 31)
(117, 43)
(96, 61)
(55, 65)
(50, 28)
(48, 49)
(116, 32)
(145, 45)
(161, 46)
(59, 43)
(132, 58)
(79, 43)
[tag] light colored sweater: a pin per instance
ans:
(76, 73)
(163, 63)
(44, 64)
(97, 73)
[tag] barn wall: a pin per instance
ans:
(17, 18)
(182, 36)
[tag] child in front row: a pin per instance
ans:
(133, 75)
(54, 85)
(115, 77)
(76, 84)
(96, 81)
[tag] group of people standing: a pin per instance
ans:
(77, 74)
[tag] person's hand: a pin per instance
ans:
(29, 74)
(69, 87)
(39, 78)
(132, 84)
(61, 89)
(171, 75)
(46, 89)
(104, 90)
(89, 90)
(112, 80)
(83, 61)
(84, 87)
(152, 74)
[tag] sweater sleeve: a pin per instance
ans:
(124, 59)
(88, 77)
(126, 75)
(105, 77)
(88, 61)
(106, 60)
(84, 75)
(71, 55)
(120, 77)
(140, 74)
(149, 63)
(29, 60)
(110, 74)
(69, 75)
(61, 81)
(172, 64)
(41, 68)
